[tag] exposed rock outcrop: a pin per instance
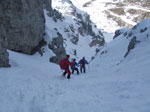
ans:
(47, 4)
(24, 24)
(119, 32)
(4, 62)
(131, 45)
(57, 47)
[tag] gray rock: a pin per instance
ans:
(131, 45)
(57, 47)
(24, 24)
(4, 61)
(119, 32)
(75, 39)
(97, 41)
(47, 4)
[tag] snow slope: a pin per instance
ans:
(72, 27)
(83, 43)
(112, 83)
(127, 78)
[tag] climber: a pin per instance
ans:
(64, 64)
(74, 66)
(82, 63)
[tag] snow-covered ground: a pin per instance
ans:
(111, 84)
(82, 46)
(97, 11)
(83, 43)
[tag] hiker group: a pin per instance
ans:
(65, 63)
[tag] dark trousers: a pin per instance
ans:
(67, 71)
(75, 69)
(82, 68)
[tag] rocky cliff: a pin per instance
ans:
(3, 41)
(4, 62)
(23, 22)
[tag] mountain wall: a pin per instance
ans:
(3, 46)
(24, 24)
(3, 41)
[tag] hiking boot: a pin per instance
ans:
(68, 77)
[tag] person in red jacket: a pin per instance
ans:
(64, 64)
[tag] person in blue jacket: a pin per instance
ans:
(82, 63)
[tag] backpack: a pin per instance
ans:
(63, 64)
(72, 65)
(82, 62)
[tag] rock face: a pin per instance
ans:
(24, 24)
(47, 4)
(119, 32)
(57, 47)
(131, 45)
(4, 62)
